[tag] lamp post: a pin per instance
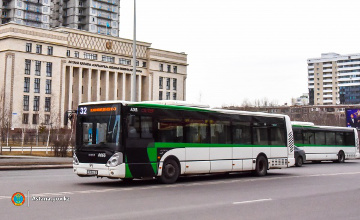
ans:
(133, 77)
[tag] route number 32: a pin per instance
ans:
(83, 110)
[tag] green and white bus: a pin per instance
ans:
(326, 143)
(165, 139)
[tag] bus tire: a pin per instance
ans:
(299, 161)
(261, 166)
(341, 157)
(170, 172)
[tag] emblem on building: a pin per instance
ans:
(108, 45)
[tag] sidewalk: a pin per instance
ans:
(34, 162)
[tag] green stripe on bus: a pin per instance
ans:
(127, 171)
(314, 145)
(196, 145)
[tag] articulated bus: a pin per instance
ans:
(326, 143)
(163, 140)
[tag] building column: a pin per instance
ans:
(80, 90)
(115, 85)
(70, 87)
(107, 85)
(139, 88)
(124, 87)
(98, 85)
(89, 86)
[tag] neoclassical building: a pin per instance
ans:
(45, 73)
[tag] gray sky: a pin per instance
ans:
(245, 50)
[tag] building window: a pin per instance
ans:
(161, 82)
(27, 67)
(174, 84)
(50, 50)
(144, 64)
(26, 84)
(76, 54)
(47, 119)
(137, 63)
(37, 67)
(167, 83)
(36, 103)
(48, 86)
(175, 69)
(168, 68)
(37, 85)
(35, 120)
(124, 61)
(174, 96)
(47, 104)
(25, 119)
(26, 103)
(28, 47)
(90, 56)
(167, 95)
(161, 67)
(38, 48)
(68, 53)
(49, 69)
(160, 95)
(108, 59)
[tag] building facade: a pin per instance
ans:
(96, 16)
(47, 72)
(334, 79)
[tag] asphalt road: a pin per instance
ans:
(315, 191)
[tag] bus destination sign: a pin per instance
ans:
(97, 110)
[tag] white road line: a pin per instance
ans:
(240, 180)
(251, 201)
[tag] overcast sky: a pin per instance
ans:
(245, 50)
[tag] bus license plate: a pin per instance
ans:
(92, 172)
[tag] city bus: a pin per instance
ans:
(167, 139)
(326, 143)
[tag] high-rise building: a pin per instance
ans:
(34, 13)
(96, 16)
(334, 79)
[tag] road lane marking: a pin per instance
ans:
(252, 201)
(184, 184)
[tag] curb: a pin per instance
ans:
(36, 167)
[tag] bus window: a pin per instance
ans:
(309, 137)
(261, 136)
(298, 137)
(330, 138)
(146, 127)
(241, 133)
(87, 133)
(339, 138)
(196, 131)
(133, 126)
(101, 132)
(349, 139)
(320, 138)
(277, 136)
(220, 132)
(170, 131)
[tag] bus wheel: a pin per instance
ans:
(261, 166)
(170, 172)
(341, 157)
(299, 161)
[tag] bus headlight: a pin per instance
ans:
(115, 160)
(75, 160)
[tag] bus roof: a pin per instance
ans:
(182, 105)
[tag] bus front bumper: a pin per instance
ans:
(100, 170)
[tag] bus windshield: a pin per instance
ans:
(100, 131)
